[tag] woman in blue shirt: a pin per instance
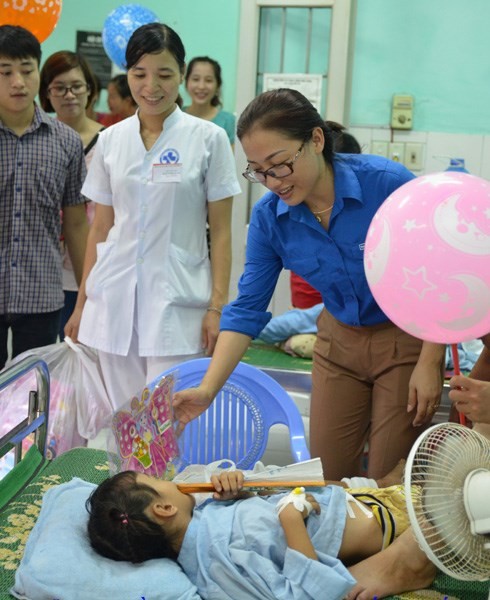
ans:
(371, 382)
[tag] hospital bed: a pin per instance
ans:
(21, 491)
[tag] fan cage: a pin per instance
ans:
(436, 471)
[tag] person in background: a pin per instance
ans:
(371, 381)
(42, 169)
(150, 296)
(121, 103)
(471, 395)
(203, 83)
(303, 295)
(67, 88)
(90, 110)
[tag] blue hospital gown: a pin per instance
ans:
(238, 551)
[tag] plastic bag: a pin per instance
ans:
(143, 437)
(78, 404)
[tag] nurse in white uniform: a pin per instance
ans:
(150, 296)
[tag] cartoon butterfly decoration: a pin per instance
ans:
(144, 435)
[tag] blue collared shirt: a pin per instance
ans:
(332, 261)
(40, 172)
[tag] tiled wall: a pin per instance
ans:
(437, 147)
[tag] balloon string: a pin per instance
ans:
(457, 371)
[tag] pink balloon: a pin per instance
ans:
(427, 257)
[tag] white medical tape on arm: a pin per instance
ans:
(297, 498)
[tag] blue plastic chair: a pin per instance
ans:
(236, 425)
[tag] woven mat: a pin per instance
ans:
(18, 518)
(447, 588)
(263, 355)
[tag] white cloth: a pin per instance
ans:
(359, 482)
(126, 376)
(157, 245)
(69, 281)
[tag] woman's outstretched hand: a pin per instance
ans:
(189, 404)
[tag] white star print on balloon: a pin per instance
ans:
(427, 255)
(417, 282)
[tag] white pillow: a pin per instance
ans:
(59, 563)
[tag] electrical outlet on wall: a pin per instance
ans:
(379, 148)
(414, 156)
(396, 151)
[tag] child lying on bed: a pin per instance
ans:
(281, 546)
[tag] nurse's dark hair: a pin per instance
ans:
(288, 112)
(154, 38)
(118, 527)
(17, 42)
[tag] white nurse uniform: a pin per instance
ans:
(152, 279)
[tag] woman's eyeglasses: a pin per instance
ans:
(59, 91)
(277, 171)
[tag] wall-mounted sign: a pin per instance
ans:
(89, 44)
(310, 85)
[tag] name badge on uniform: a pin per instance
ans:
(166, 173)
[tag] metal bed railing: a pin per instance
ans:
(36, 420)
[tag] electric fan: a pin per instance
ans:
(447, 485)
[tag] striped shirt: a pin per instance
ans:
(40, 172)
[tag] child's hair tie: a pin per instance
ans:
(297, 498)
(124, 518)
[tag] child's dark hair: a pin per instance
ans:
(154, 38)
(215, 101)
(288, 112)
(118, 527)
(17, 42)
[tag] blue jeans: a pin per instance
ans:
(28, 332)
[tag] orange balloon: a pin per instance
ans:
(38, 16)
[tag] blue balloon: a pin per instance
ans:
(118, 28)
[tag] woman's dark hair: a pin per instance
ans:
(120, 82)
(291, 114)
(18, 42)
(59, 63)
(154, 38)
(118, 527)
(216, 100)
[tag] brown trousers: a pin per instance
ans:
(359, 394)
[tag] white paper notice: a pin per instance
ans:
(309, 85)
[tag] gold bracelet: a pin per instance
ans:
(214, 309)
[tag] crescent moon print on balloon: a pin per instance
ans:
(377, 257)
(473, 310)
(426, 257)
(459, 233)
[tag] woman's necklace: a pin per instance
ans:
(321, 212)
